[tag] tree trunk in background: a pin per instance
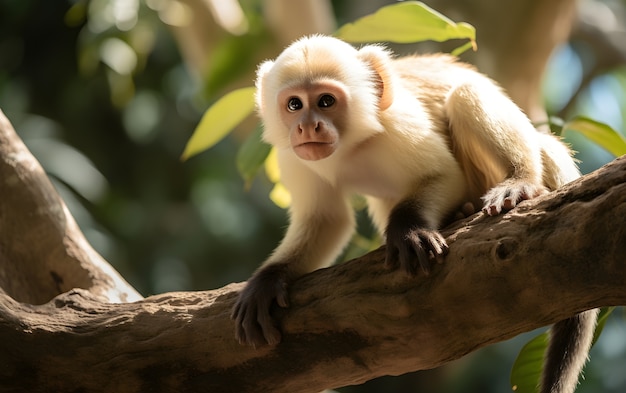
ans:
(515, 39)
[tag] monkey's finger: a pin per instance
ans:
(281, 295)
(245, 327)
(240, 334)
(468, 209)
(235, 311)
(510, 203)
(424, 261)
(421, 254)
(239, 316)
(391, 257)
(445, 249)
(282, 300)
(270, 333)
(439, 247)
(254, 334)
(492, 209)
(248, 328)
(406, 257)
(435, 245)
(255, 337)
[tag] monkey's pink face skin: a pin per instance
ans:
(313, 114)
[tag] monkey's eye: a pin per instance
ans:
(294, 104)
(326, 101)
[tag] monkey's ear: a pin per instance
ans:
(261, 72)
(379, 58)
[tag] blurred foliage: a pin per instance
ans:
(98, 91)
(219, 120)
(100, 95)
(598, 133)
(407, 22)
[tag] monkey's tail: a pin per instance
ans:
(570, 341)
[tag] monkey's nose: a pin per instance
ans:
(309, 128)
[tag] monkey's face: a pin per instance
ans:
(321, 95)
(313, 114)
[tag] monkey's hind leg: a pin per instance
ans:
(495, 143)
(570, 341)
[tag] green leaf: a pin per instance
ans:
(234, 57)
(271, 167)
(599, 133)
(219, 120)
(527, 368)
(252, 155)
(280, 196)
(406, 22)
(602, 318)
(555, 123)
(464, 48)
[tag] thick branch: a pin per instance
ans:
(42, 251)
(546, 260)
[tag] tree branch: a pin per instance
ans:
(42, 251)
(546, 260)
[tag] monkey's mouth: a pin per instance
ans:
(313, 151)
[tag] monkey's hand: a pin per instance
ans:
(413, 248)
(253, 323)
(506, 195)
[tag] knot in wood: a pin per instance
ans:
(505, 249)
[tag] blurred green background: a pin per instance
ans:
(105, 93)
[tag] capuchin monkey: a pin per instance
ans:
(418, 136)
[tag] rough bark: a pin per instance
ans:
(546, 260)
(42, 251)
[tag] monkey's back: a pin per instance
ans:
(430, 78)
